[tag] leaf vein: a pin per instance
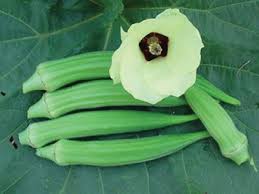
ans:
(21, 21)
(65, 29)
(122, 17)
(19, 39)
(48, 34)
(185, 174)
(101, 180)
(20, 63)
(66, 180)
(17, 180)
(245, 125)
(148, 177)
(234, 4)
(96, 3)
(232, 24)
(107, 37)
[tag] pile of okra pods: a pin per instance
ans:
(51, 137)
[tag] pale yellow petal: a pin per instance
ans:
(175, 85)
(132, 78)
(168, 13)
(185, 45)
(185, 49)
(116, 61)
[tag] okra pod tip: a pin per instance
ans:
(240, 154)
(24, 138)
(39, 109)
(47, 152)
(33, 83)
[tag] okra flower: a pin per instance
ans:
(158, 57)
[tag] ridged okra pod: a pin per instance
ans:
(233, 144)
(215, 92)
(117, 152)
(95, 123)
(52, 75)
(94, 94)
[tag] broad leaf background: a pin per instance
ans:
(32, 31)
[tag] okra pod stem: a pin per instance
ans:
(95, 123)
(117, 152)
(233, 144)
(94, 94)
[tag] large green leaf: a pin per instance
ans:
(33, 31)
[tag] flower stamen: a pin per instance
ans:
(154, 45)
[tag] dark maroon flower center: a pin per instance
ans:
(154, 45)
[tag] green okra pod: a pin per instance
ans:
(95, 123)
(117, 152)
(233, 144)
(215, 92)
(52, 75)
(94, 94)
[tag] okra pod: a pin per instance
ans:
(94, 94)
(117, 152)
(95, 123)
(233, 144)
(215, 92)
(52, 75)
